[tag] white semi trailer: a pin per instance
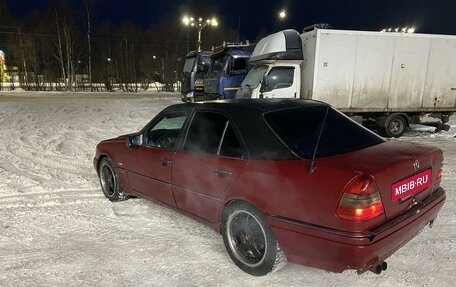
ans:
(383, 80)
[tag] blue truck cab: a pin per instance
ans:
(195, 66)
(229, 65)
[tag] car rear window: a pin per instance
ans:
(300, 129)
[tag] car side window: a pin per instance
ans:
(165, 132)
(230, 146)
(279, 78)
(211, 133)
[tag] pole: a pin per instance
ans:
(199, 39)
(199, 25)
(188, 48)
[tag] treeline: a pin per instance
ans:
(61, 49)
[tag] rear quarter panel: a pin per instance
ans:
(286, 189)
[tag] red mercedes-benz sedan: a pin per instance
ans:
(281, 180)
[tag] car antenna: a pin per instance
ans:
(312, 164)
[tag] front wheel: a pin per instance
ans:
(249, 240)
(110, 182)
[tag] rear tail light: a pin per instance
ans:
(361, 200)
(440, 174)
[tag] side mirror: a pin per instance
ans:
(227, 72)
(203, 67)
(134, 140)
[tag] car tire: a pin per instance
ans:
(109, 181)
(395, 126)
(249, 240)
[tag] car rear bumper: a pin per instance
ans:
(337, 251)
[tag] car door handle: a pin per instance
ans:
(222, 172)
(165, 161)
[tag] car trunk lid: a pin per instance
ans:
(405, 173)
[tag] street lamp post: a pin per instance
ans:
(109, 80)
(199, 24)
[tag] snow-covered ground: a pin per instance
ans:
(57, 229)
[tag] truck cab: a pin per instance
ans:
(276, 68)
(195, 66)
(229, 65)
(385, 81)
(272, 81)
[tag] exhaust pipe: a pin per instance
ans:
(378, 267)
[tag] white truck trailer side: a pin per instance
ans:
(386, 80)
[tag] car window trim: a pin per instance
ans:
(223, 136)
(157, 119)
(245, 153)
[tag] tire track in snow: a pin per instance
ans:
(57, 229)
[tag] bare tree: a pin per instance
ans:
(69, 52)
(166, 50)
(127, 56)
(52, 46)
(89, 47)
(59, 48)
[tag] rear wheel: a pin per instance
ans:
(249, 240)
(395, 126)
(110, 182)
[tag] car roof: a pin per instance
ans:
(261, 105)
(247, 114)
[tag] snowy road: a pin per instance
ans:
(57, 229)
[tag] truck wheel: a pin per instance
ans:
(395, 126)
